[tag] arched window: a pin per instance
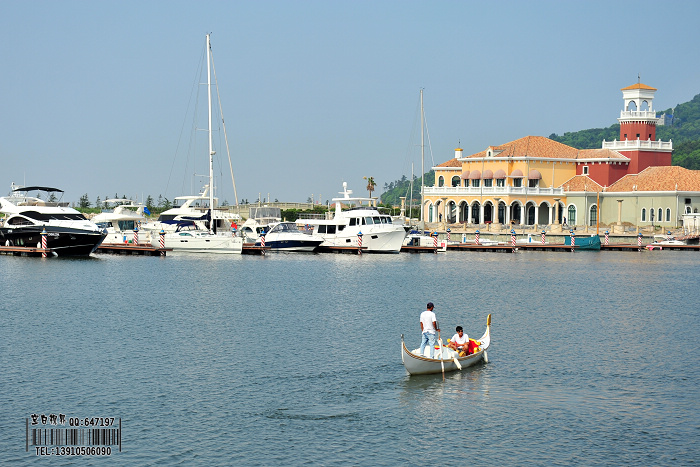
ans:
(668, 214)
(572, 215)
(441, 181)
(661, 215)
(594, 215)
(644, 214)
(455, 180)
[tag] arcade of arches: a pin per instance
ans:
(486, 212)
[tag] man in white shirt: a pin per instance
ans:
(428, 327)
(460, 341)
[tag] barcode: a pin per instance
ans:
(75, 437)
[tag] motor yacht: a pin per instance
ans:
(378, 233)
(68, 232)
(121, 222)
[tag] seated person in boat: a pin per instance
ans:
(460, 341)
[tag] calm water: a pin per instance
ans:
(594, 357)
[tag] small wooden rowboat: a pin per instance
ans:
(417, 364)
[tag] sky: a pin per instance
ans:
(98, 98)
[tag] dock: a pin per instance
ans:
(252, 249)
(25, 251)
(142, 249)
(340, 249)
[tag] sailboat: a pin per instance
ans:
(201, 235)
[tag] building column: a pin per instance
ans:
(555, 217)
(469, 213)
(523, 218)
(481, 213)
(537, 215)
(619, 212)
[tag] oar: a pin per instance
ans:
(442, 363)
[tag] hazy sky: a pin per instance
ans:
(95, 95)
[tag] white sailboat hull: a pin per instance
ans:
(204, 242)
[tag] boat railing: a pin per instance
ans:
(309, 215)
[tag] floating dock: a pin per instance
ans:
(142, 249)
(252, 249)
(340, 249)
(25, 251)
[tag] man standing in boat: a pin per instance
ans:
(428, 328)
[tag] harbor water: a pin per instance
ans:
(295, 359)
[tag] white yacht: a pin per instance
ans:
(379, 233)
(122, 220)
(68, 232)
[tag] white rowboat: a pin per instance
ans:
(417, 364)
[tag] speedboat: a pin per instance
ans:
(421, 239)
(445, 359)
(286, 236)
(121, 222)
(667, 240)
(258, 222)
(68, 232)
(279, 235)
(360, 223)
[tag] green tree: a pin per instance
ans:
(84, 201)
(371, 185)
(149, 202)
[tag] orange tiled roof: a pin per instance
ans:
(639, 86)
(600, 154)
(533, 147)
(581, 183)
(673, 178)
(451, 163)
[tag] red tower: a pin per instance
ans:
(638, 131)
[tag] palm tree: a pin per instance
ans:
(371, 184)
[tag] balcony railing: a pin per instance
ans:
(493, 190)
(632, 144)
(637, 114)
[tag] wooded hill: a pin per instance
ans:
(683, 129)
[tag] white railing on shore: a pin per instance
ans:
(494, 190)
(631, 144)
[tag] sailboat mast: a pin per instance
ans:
(211, 148)
(422, 159)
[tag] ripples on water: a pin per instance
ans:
(593, 359)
